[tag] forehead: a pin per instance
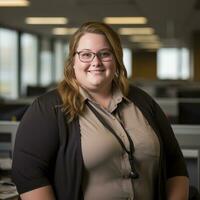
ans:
(93, 41)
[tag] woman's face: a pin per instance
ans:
(95, 74)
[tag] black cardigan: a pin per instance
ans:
(48, 149)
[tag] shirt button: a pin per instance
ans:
(124, 155)
(125, 176)
(113, 117)
(118, 100)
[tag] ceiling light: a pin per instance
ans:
(155, 45)
(14, 3)
(46, 20)
(144, 38)
(136, 31)
(125, 20)
(64, 31)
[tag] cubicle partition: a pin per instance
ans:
(8, 131)
(7, 139)
(181, 110)
(188, 137)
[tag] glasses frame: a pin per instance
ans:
(94, 54)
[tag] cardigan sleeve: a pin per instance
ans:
(35, 147)
(175, 163)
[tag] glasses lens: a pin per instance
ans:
(105, 55)
(86, 56)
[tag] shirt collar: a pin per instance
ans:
(117, 94)
(84, 94)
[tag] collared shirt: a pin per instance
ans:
(106, 164)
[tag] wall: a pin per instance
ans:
(144, 65)
(196, 55)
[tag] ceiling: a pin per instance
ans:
(173, 20)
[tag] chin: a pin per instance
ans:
(96, 82)
(94, 87)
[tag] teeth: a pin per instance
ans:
(96, 70)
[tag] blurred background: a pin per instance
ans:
(161, 45)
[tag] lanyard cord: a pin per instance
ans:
(133, 174)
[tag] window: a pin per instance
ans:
(8, 63)
(46, 62)
(127, 59)
(59, 60)
(29, 46)
(173, 63)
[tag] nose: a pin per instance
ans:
(96, 60)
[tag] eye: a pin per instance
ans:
(105, 54)
(86, 55)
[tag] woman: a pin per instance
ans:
(95, 137)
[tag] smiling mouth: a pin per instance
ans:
(96, 70)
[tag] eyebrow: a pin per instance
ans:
(92, 51)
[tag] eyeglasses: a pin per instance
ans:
(88, 56)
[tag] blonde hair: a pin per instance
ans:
(73, 104)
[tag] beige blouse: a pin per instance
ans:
(106, 163)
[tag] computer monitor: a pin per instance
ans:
(8, 131)
(12, 111)
(188, 93)
(36, 90)
(189, 111)
(188, 137)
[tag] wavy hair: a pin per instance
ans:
(68, 88)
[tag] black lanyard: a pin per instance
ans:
(133, 173)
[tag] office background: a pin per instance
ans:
(160, 39)
(161, 45)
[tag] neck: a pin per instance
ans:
(102, 97)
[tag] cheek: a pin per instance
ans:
(79, 71)
(76, 71)
(80, 67)
(76, 67)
